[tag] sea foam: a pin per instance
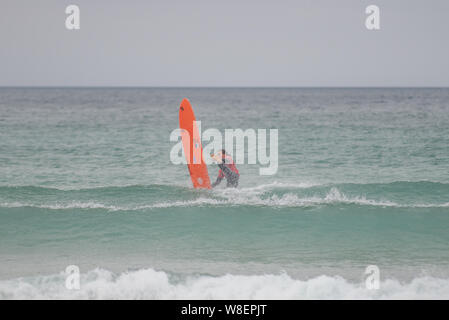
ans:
(152, 284)
(257, 196)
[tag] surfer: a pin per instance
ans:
(228, 169)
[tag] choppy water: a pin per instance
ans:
(85, 179)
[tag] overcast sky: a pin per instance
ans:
(224, 43)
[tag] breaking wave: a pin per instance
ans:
(275, 195)
(152, 284)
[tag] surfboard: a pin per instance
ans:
(191, 143)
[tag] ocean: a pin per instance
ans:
(86, 180)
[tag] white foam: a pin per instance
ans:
(58, 206)
(152, 284)
(237, 197)
(252, 197)
(277, 185)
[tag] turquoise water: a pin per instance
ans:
(86, 180)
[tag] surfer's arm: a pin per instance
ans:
(219, 178)
(217, 182)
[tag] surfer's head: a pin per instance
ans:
(222, 153)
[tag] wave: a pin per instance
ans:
(41, 190)
(264, 187)
(236, 197)
(72, 205)
(399, 194)
(152, 284)
(334, 197)
(67, 189)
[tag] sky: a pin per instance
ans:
(228, 43)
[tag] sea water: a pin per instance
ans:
(86, 180)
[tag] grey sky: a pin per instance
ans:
(224, 43)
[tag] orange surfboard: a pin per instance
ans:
(191, 143)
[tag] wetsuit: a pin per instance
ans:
(228, 170)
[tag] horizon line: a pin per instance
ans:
(220, 87)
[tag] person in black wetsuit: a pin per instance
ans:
(228, 169)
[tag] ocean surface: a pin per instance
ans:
(86, 180)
